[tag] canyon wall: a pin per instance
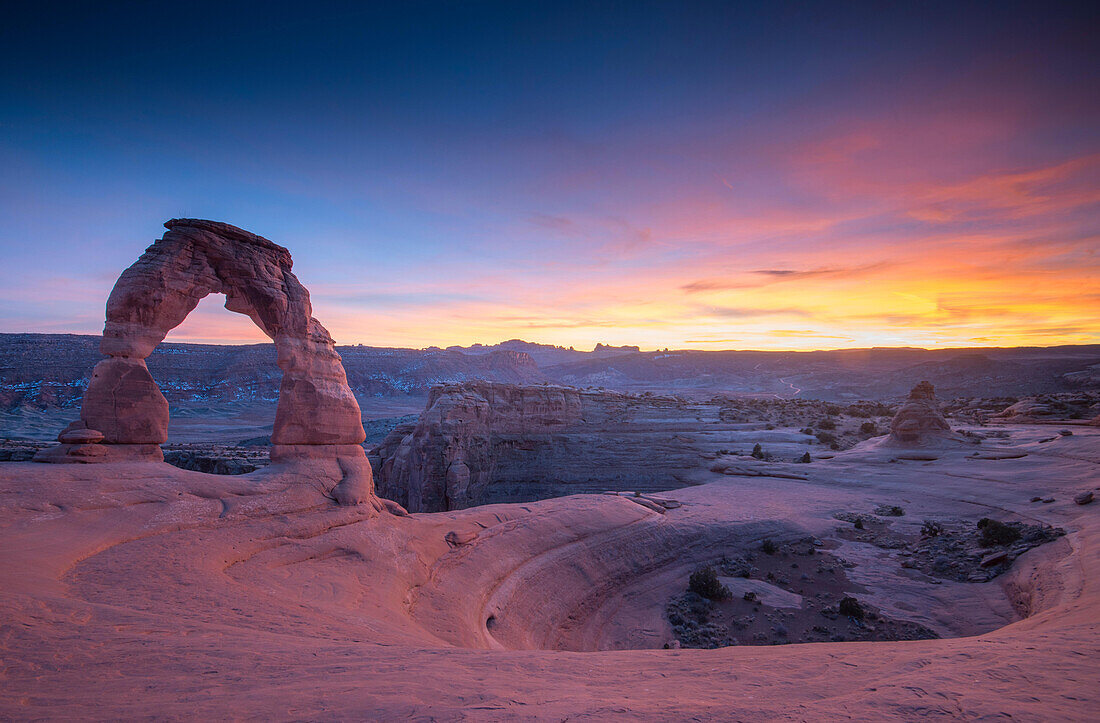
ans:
(481, 442)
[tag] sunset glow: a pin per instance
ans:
(799, 182)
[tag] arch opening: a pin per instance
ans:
(124, 415)
(221, 409)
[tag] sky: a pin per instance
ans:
(689, 175)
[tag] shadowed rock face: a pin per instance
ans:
(461, 444)
(480, 443)
(317, 415)
(919, 418)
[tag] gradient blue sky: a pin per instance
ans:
(710, 175)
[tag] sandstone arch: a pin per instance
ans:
(124, 416)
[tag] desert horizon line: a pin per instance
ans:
(633, 347)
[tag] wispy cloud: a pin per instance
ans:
(946, 209)
(765, 277)
(742, 312)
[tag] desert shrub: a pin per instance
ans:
(850, 607)
(806, 430)
(826, 438)
(805, 459)
(931, 528)
(832, 410)
(996, 533)
(768, 547)
(758, 452)
(889, 511)
(868, 428)
(858, 524)
(705, 583)
(734, 567)
(826, 424)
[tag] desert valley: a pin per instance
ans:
(521, 547)
(708, 360)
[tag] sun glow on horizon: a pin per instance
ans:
(786, 178)
(1020, 268)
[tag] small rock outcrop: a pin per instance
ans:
(1064, 407)
(919, 420)
(1028, 410)
(124, 416)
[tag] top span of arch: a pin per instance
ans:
(226, 230)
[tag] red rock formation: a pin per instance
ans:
(450, 457)
(919, 419)
(482, 443)
(317, 416)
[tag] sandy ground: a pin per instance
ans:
(145, 591)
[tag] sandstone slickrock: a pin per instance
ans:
(1028, 410)
(163, 582)
(1066, 408)
(317, 418)
(80, 436)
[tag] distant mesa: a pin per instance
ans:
(124, 415)
(609, 349)
(547, 355)
(919, 420)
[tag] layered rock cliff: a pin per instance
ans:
(479, 443)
